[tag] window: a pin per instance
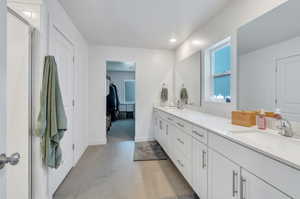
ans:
(129, 91)
(219, 72)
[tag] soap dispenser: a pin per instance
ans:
(261, 120)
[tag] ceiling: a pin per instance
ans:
(140, 23)
(280, 24)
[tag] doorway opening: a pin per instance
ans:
(120, 101)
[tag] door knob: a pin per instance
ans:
(12, 160)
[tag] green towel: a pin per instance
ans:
(164, 94)
(184, 97)
(52, 120)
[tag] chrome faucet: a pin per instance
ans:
(285, 128)
(179, 105)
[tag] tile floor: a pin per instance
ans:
(109, 172)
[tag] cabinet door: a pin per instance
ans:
(155, 126)
(159, 131)
(199, 168)
(165, 135)
(254, 188)
(224, 177)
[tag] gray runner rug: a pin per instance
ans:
(145, 151)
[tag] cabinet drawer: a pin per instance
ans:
(184, 126)
(199, 134)
(182, 142)
(183, 164)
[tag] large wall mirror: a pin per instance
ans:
(269, 62)
(188, 75)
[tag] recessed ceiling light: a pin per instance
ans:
(173, 40)
(27, 13)
(197, 42)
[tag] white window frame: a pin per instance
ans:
(129, 102)
(209, 70)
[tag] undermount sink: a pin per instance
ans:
(263, 133)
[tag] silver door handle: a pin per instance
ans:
(179, 124)
(198, 134)
(179, 140)
(204, 159)
(243, 188)
(12, 160)
(234, 183)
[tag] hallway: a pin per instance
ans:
(122, 130)
(109, 172)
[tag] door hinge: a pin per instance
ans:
(73, 59)
(276, 69)
(276, 101)
(73, 103)
(73, 147)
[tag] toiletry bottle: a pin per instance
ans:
(261, 120)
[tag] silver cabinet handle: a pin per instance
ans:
(170, 119)
(167, 130)
(204, 159)
(179, 124)
(243, 188)
(198, 134)
(234, 183)
(179, 162)
(12, 160)
(179, 140)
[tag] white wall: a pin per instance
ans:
(153, 67)
(52, 13)
(261, 64)
(225, 24)
(118, 77)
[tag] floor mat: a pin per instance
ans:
(145, 151)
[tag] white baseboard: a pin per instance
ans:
(97, 142)
(143, 139)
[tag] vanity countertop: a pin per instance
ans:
(267, 142)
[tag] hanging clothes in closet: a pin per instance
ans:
(113, 103)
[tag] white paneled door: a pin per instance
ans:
(15, 105)
(63, 50)
(288, 96)
(2, 93)
(18, 105)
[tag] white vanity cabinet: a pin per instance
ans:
(217, 167)
(224, 177)
(156, 125)
(199, 168)
(254, 188)
(162, 135)
(182, 152)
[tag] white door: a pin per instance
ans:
(15, 105)
(3, 94)
(288, 97)
(254, 188)
(200, 171)
(18, 105)
(224, 177)
(63, 50)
